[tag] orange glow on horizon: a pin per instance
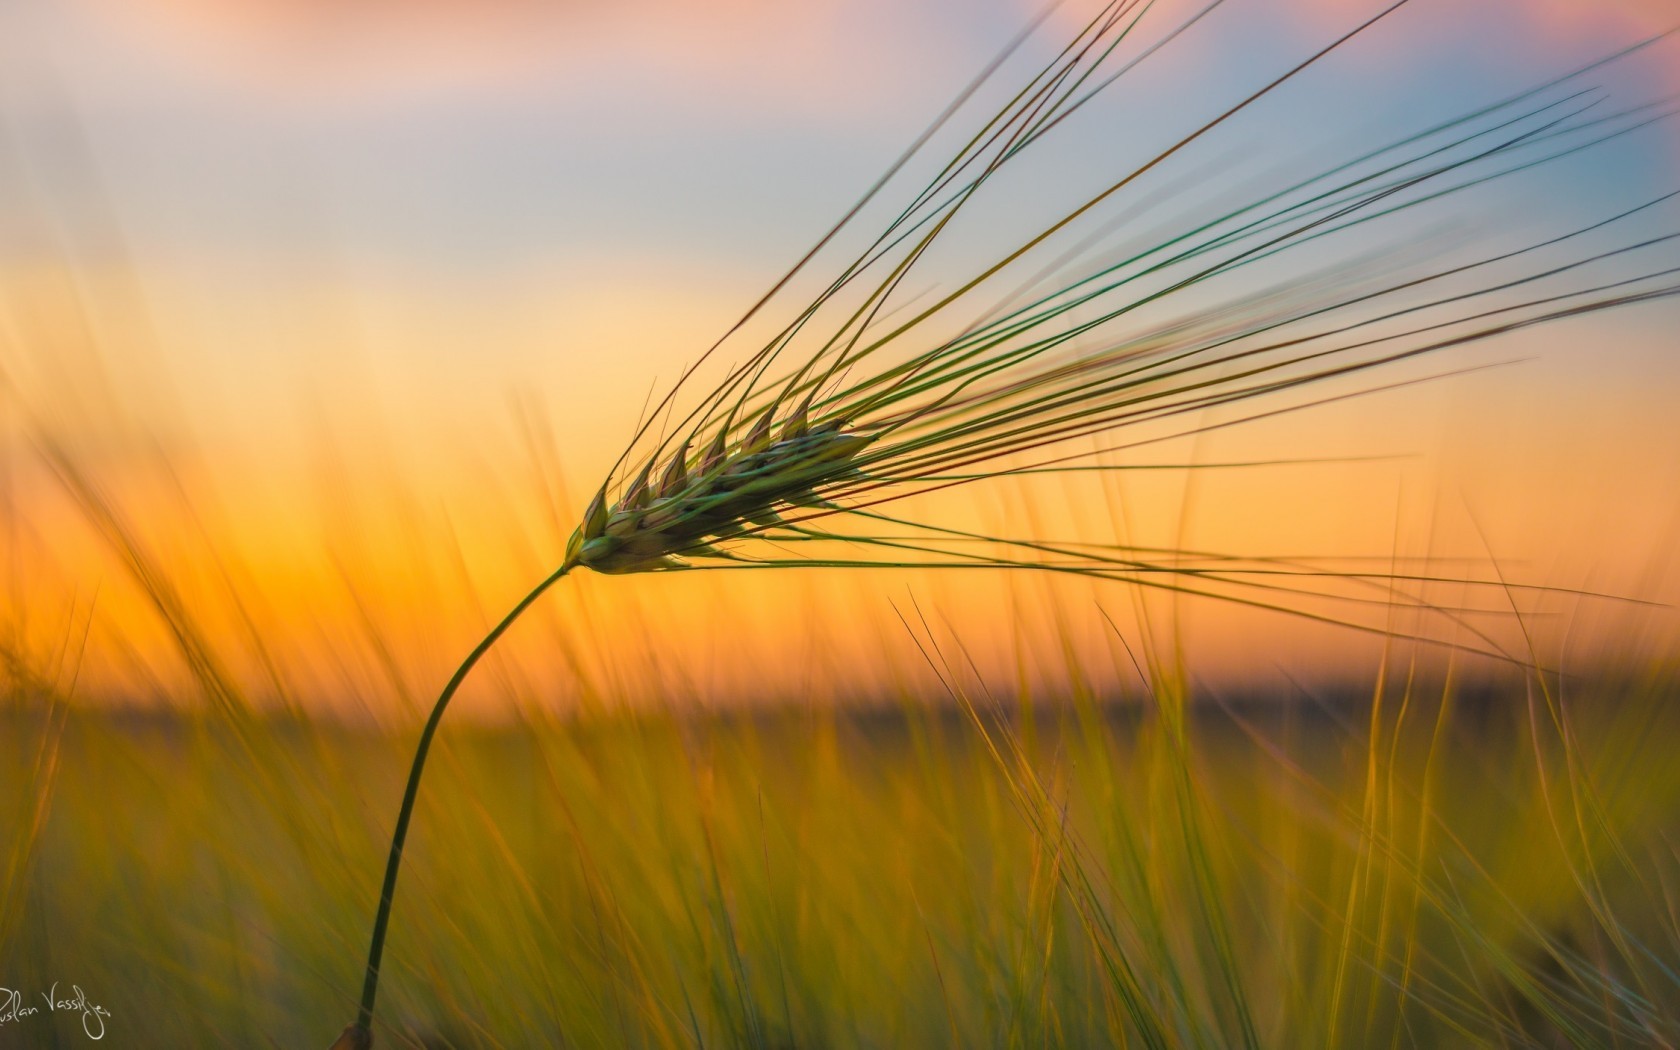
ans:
(341, 471)
(339, 567)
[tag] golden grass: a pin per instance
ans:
(1436, 869)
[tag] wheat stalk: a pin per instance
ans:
(853, 404)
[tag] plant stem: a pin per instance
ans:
(370, 987)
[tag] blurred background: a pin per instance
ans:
(319, 325)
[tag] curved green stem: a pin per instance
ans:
(363, 1028)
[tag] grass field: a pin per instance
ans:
(1329, 346)
(1421, 866)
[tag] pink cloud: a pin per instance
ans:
(757, 54)
(836, 57)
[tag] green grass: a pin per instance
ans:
(1450, 866)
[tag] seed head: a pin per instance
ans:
(727, 492)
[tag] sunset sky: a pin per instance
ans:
(345, 310)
